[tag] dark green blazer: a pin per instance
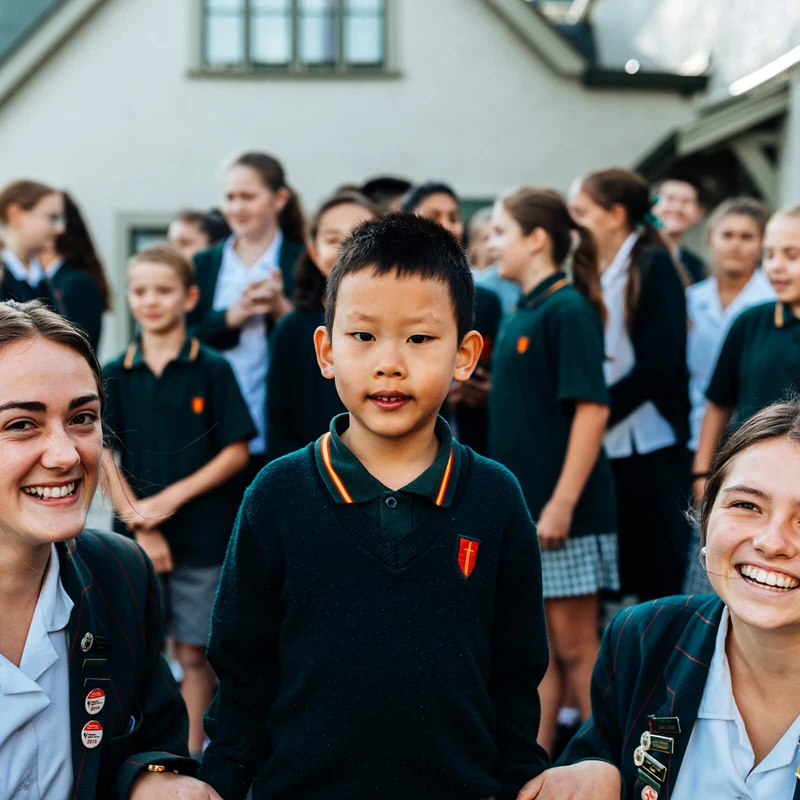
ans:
(207, 324)
(79, 300)
(693, 265)
(22, 292)
(654, 659)
(115, 641)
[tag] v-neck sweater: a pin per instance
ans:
(356, 666)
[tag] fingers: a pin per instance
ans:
(532, 788)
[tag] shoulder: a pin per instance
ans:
(762, 315)
(298, 320)
(278, 482)
(658, 262)
(112, 558)
(115, 367)
(207, 259)
(74, 276)
(489, 475)
(569, 306)
(487, 297)
(290, 248)
(701, 289)
(214, 364)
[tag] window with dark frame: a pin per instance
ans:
(295, 35)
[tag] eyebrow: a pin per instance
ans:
(741, 489)
(420, 319)
(40, 408)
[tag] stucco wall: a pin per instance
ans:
(116, 119)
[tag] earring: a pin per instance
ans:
(703, 552)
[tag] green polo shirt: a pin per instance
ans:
(548, 355)
(166, 428)
(759, 362)
(394, 513)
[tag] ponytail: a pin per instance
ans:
(291, 219)
(585, 273)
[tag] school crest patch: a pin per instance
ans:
(198, 405)
(522, 344)
(467, 555)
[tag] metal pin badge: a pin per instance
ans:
(649, 793)
(87, 642)
(655, 769)
(663, 724)
(92, 734)
(661, 744)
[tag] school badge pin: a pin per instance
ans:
(198, 404)
(522, 344)
(467, 555)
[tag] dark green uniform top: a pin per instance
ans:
(694, 266)
(300, 402)
(167, 428)
(394, 513)
(759, 361)
(548, 355)
(79, 300)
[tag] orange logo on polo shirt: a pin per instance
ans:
(522, 344)
(198, 405)
(467, 554)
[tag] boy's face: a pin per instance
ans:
(678, 207)
(157, 297)
(394, 351)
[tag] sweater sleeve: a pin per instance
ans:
(659, 340)
(242, 650)
(520, 653)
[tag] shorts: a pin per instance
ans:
(188, 598)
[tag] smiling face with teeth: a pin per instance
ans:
(50, 443)
(753, 536)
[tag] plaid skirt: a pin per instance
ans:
(582, 565)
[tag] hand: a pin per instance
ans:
(251, 303)
(455, 395)
(586, 780)
(152, 511)
(554, 523)
(157, 548)
(476, 389)
(169, 786)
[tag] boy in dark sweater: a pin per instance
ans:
(379, 628)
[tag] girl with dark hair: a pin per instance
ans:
(77, 279)
(699, 697)
(245, 282)
(300, 401)
(547, 416)
(193, 231)
(467, 401)
(645, 367)
(31, 217)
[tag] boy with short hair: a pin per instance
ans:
(181, 427)
(379, 628)
(679, 206)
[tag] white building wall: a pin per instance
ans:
(115, 117)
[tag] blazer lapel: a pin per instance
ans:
(84, 628)
(684, 680)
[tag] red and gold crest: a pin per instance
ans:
(198, 405)
(467, 555)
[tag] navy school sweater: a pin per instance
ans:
(352, 667)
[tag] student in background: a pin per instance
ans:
(385, 191)
(180, 427)
(468, 401)
(31, 217)
(735, 239)
(77, 278)
(300, 401)
(193, 231)
(645, 346)
(245, 282)
(760, 359)
(481, 259)
(547, 416)
(378, 630)
(678, 206)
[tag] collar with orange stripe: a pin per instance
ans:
(350, 482)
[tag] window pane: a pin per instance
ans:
(363, 31)
(225, 5)
(224, 38)
(318, 35)
(271, 31)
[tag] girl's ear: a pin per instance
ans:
(537, 239)
(322, 345)
(281, 198)
(13, 213)
(619, 216)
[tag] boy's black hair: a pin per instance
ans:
(683, 177)
(384, 190)
(406, 245)
(417, 195)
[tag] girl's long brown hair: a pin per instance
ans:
(546, 209)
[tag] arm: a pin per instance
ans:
(583, 449)
(520, 654)
(715, 421)
(660, 340)
(282, 393)
(84, 306)
(228, 462)
(242, 642)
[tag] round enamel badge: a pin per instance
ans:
(95, 701)
(92, 734)
(649, 793)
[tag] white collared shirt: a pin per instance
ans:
(35, 746)
(53, 267)
(644, 430)
(719, 757)
(250, 358)
(708, 325)
(31, 275)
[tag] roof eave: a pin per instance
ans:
(603, 78)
